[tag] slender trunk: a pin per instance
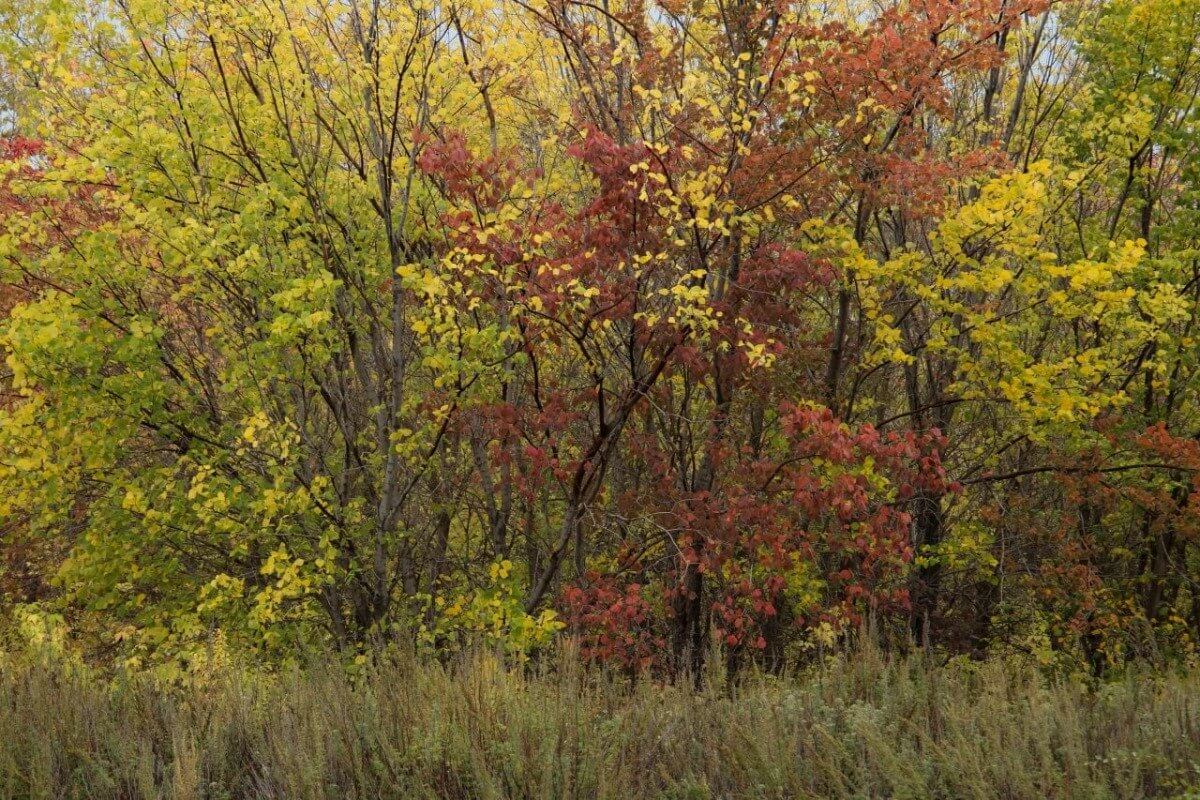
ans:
(928, 528)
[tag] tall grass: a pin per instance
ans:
(863, 727)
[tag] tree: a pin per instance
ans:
(678, 325)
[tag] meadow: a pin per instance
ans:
(863, 726)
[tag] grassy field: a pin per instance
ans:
(866, 727)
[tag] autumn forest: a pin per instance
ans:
(675, 336)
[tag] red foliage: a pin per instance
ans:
(615, 622)
(812, 505)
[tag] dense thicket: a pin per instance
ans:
(332, 323)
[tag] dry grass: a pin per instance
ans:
(865, 727)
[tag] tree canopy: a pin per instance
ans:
(670, 326)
